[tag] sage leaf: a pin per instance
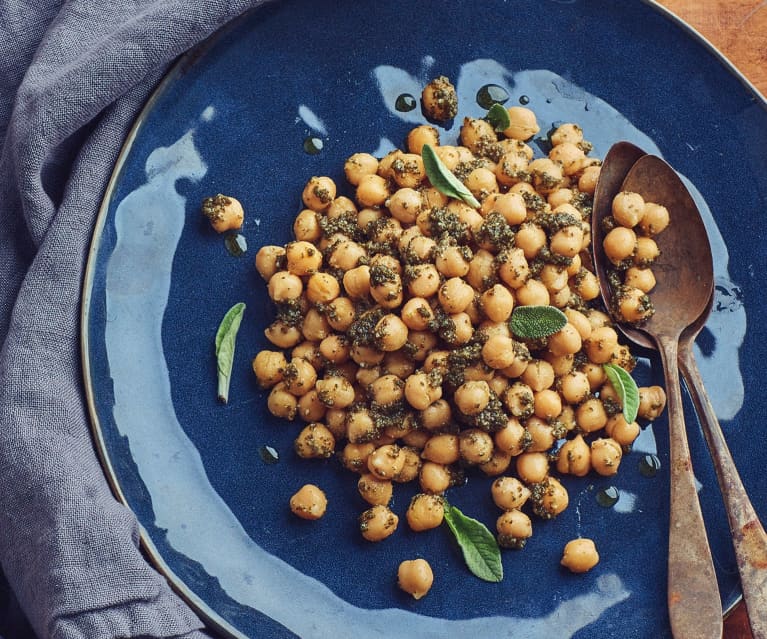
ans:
(442, 178)
(535, 322)
(225, 340)
(626, 388)
(498, 116)
(478, 545)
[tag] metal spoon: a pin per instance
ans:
(748, 535)
(685, 284)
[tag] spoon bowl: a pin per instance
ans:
(685, 282)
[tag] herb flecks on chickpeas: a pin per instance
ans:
(394, 343)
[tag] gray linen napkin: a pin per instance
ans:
(73, 76)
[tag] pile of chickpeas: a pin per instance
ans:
(631, 248)
(391, 343)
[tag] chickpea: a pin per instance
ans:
(511, 169)
(497, 302)
(567, 341)
(498, 352)
(523, 124)
(533, 468)
(434, 478)
(554, 499)
(498, 463)
(547, 404)
(587, 182)
(539, 375)
(509, 493)
(533, 293)
(601, 344)
(591, 415)
(580, 322)
(442, 449)
(455, 295)
(341, 206)
(439, 100)
(586, 285)
(574, 457)
(405, 205)
(531, 238)
(387, 461)
(322, 288)
(417, 314)
(340, 313)
(426, 511)
(472, 397)
(269, 260)
(299, 376)
(284, 286)
(359, 165)
(574, 387)
(640, 278)
(318, 193)
(560, 364)
(652, 401)
(309, 502)
(345, 255)
(655, 219)
(647, 251)
(311, 409)
(390, 333)
(372, 190)
(580, 555)
(315, 441)
(519, 400)
(514, 529)
(475, 445)
(386, 288)
(303, 258)
(225, 213)
(355, 457)
(282, 403)
(453, 261)
(482, 270)
(415, 577)
(356, 281)
(546, 175)
(621, 431)
(335, 392)
(450, 157)
(408, 170)
(512, 438)
(514, 269)
(606, 456)
(569, 155)
(282, 335)
(373, 490)
(378, 523)
(411, 467)
(421, 135)
(634, 305)
(619, 244)
(510, 205)
(567, 241)
(422, 389)
(628, 208)
(360, 427)
(269, 367)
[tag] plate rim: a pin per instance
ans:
(175, 69)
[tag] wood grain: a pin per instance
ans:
(738, 29)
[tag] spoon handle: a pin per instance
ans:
(748, 536)
(695, 609)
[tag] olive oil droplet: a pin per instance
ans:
(236, 244)
(313, 145)
(523, 99)
(649, 465)
(491, 94)
(608, 497)
(405, 102)
(269, 455)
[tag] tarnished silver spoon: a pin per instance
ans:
(748, 534)
(685, 277)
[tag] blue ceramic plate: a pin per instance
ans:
(232, 117)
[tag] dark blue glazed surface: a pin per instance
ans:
(237, 99)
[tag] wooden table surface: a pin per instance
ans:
(738, 29)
